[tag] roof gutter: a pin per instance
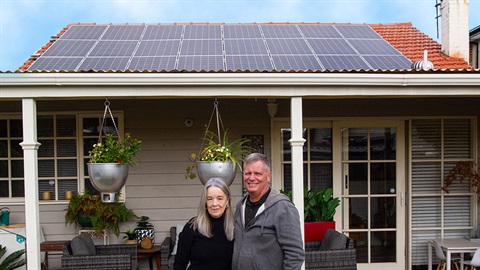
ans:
(51, 85)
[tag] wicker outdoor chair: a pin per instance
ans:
(118, 257)
(337, 259)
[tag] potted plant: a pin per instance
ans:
(219, 158)
(130, 237)
(101, 217)
(319, 209)
(109, 164)
(462, 171)
(144, 229)
(14, 260)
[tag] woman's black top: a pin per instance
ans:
(203, 253)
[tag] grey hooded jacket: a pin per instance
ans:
(273, 240)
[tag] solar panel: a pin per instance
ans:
(295, 62)
(84, 32)
(288, 46)
(241, 31)
(200, 63)
(245, 47)
(280, 31)
(159, 32)
(121, 32)
(220, 47)
(104, 63)
(158, 48)
(152, 63)
(319, 31)
(248, 62)
(203, 32)
(69, 48)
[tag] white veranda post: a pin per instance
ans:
(296, 142)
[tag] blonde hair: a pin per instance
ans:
(202, 221)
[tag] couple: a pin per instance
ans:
(266, 232)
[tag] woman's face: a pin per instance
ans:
(217, 202)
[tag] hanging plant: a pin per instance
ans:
(463, 171)
(218, 148)
(115, 151)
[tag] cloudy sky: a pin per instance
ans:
(26, 25)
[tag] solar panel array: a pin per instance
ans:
(195, 47)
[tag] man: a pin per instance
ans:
(267, 224)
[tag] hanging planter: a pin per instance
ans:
(220, 157)
(110, 161)
(221, 169)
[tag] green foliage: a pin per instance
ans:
(130, 234)
(143, 223)
(105, 216)
(219, 149)
(13, 260)
(115, 151)
(318, 206)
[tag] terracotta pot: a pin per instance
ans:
(315, 231)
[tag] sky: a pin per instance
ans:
(27, 25)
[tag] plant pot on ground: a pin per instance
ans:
(105, 217)
(319, 209)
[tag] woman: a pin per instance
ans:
(206, 241)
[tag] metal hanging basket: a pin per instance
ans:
(220, 169)
(108, 178)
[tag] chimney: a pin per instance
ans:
(455, 28)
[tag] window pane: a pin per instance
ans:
(382, 144)
(426, 139)
(66, 126)
(287, 177)
(16, 149)
(357, 178)
(383, 214)
(321, 144)
(3, 128)
(46, 186)
(66, 148)
(18, 188)
(4, 168)
(358, 213)
(4, 188)
(457, 211)
(457, 138)
(426, 212)
(357, 144)
(88, 145)
(16, 128)
(287, 153)
(321, 176)
(46, 168)
(383, 178)
(91, 126)
(46, 148)
(45, 126)
(67, 167)
(3, 148)
(384, 247)
(66, 185)
(426, 177)
(17, 168)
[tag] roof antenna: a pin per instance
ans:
(423, 64)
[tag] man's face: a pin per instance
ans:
(256, 179)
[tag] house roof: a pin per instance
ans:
(267, 47)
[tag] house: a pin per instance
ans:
(331, 104)
(474, 48)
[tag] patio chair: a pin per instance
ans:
(81, 253)
(443, 259)
(474, 263)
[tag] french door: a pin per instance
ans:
(369, 177)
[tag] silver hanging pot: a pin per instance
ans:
(221, 169)
(108, 178)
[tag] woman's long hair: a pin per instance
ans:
(202, 220)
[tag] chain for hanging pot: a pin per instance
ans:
(219, 122)
(107, 108)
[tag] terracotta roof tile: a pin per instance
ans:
(411, 43)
